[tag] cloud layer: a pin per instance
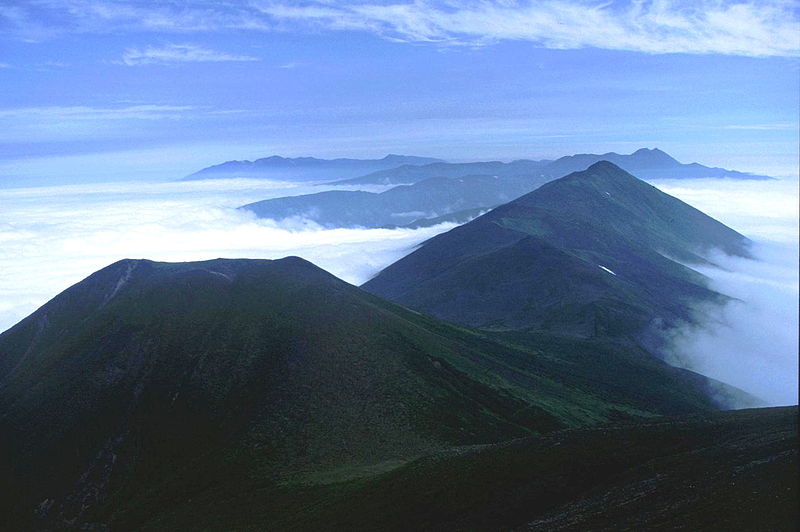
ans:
(744, 27)
(52, 237)
(752, 342)
(178, 53)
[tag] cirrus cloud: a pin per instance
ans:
(178, 53)
(661, 26)
(733, 27)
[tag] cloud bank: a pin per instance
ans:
(752, 342)
(52, 237)
(743, 27)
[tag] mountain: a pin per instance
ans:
(154, 390)
(408, 174)
(648, 164)
(439, 198)
(593, 254)
(305, 168)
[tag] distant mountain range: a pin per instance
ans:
(444, 191)
(305, 168)
(591, 254)
(645, 163)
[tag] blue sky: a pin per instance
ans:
(95, 90)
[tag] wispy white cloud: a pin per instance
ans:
(764, 28)
(34, 20)
(762, 127)
(142, 112)
(735, 27)
(178, 53)
(48, 123)
(5, 65)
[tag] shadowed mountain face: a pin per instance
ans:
(721, 471)
(437, 198)
(645, 163)
(149, 384)
(589, 255)
(305, 168)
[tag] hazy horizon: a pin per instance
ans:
(107, 90)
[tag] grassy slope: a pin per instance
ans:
(721, 471)
(150, 379)
(535, 262)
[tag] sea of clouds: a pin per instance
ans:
(752, 342)
(52, 237)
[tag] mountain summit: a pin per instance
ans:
(148, 385)
(591, 254)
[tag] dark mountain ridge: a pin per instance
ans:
(150, 381)
(591, 254)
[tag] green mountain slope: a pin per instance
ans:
(722, 471)
(148, 384)
(587, 255)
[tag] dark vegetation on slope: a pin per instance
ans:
(721, 471)
(716, 471)
(588, 255)
(150, 381)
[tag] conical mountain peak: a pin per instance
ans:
(587, 249)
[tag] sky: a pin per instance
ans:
(99, 90)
